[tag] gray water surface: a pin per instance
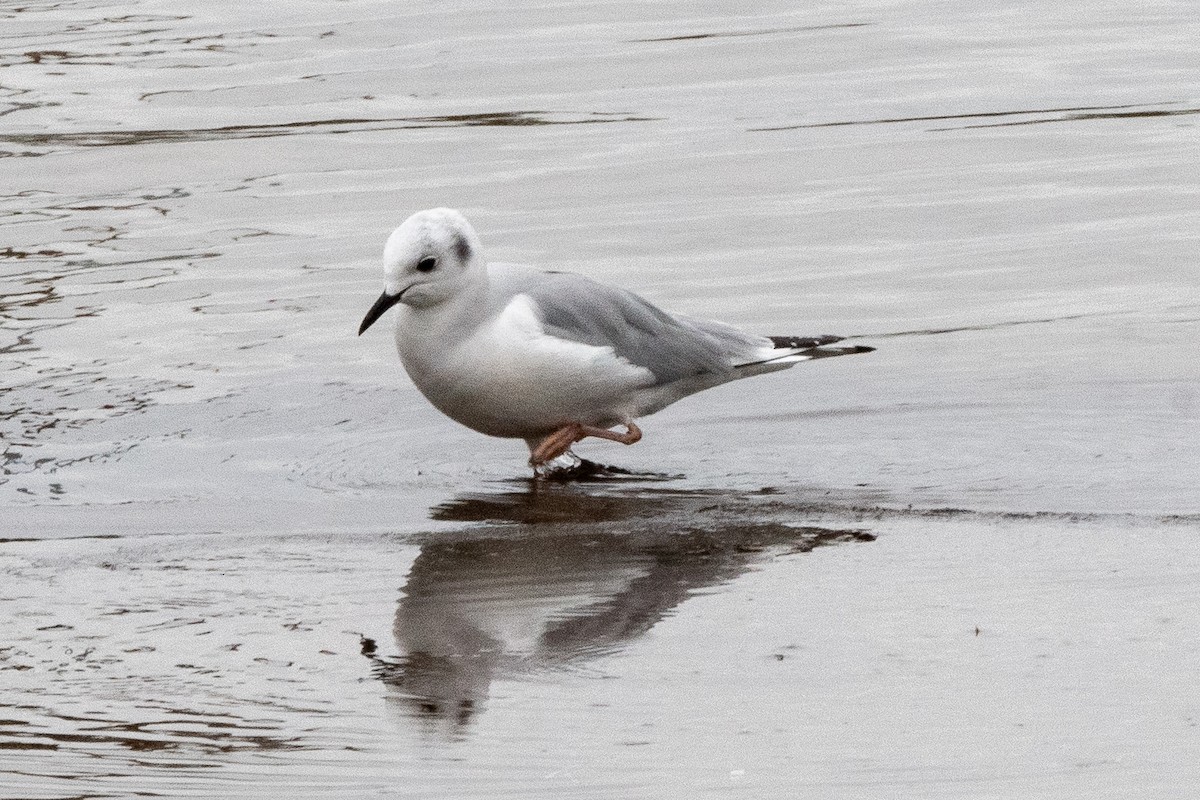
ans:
(241, 556)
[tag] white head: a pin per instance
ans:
(430, 258)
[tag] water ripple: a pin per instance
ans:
(1042, 115)
(119, 138)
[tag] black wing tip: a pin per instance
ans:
(809, 342)
(794, 342)
(826, 352)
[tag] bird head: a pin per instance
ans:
(430, 258)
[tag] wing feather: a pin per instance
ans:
(579, 309)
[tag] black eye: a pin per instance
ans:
(426, 264)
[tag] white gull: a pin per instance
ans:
(551, 357)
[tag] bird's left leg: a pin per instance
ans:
(561, 440)
(555, 444)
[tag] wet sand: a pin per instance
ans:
(240, 555)
(637, 641)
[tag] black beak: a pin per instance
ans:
(384, 302)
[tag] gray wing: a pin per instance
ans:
(581, 310)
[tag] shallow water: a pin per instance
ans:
(236, 544)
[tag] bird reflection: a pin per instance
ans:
(552, 577)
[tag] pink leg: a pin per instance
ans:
(561, 440)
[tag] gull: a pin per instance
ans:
(552, 357)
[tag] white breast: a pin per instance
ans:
(509, 378)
